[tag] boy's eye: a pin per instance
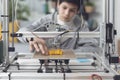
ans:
(72, 10)
(64, 7)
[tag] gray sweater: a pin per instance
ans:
(49, 23)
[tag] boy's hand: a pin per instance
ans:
(39, 45)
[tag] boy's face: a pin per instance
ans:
(67, 11)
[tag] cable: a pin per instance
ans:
(63, 33)
(77, 31)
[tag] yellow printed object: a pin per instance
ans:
(10, 31)
(55, 52)
(15, 30)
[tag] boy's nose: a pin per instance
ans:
(67, 13)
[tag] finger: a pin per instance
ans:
(41, 47)
(42, 41)
(41, 44)
(31, 46)
(35, 44)
(46, 50)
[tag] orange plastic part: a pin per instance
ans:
(55, 52)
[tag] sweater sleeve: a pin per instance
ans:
(35, 26)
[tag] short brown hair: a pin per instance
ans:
(76, 2)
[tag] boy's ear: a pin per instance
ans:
(57, 2)
(78, 12)
(57, 5)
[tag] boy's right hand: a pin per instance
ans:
(39, 45)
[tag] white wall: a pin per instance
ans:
(98, 9)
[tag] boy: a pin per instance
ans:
(66, 16)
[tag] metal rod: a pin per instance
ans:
(54, 34)
(114, 43)
(5, 30)
(106, 11)
(13, 22)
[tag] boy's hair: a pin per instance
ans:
(76, 2)
(54, 0)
